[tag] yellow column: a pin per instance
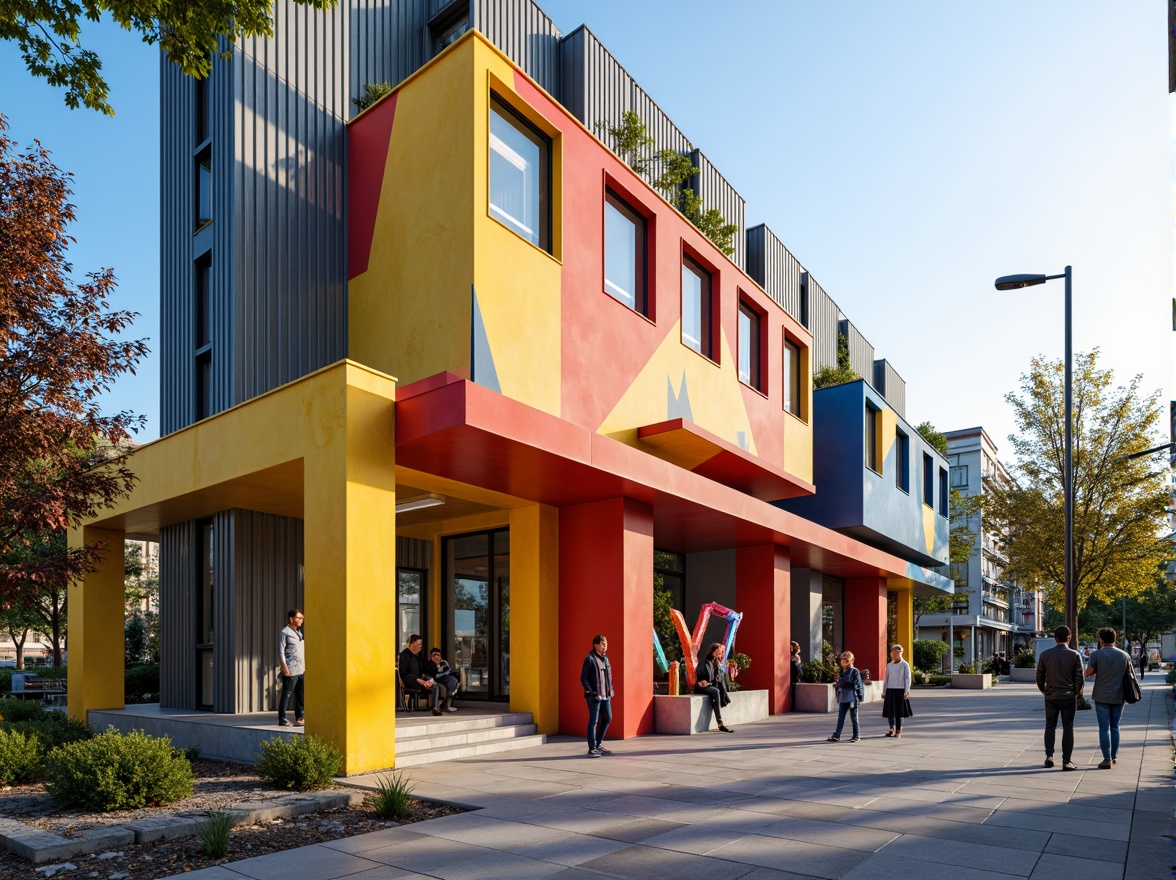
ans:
(97, 620)
(534, 614)
(906, 624)
(350, 573)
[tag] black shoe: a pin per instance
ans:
(1069, 765)
(834, 739)
(725, 728)
(1049, 762)
(436, 711)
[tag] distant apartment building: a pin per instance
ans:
(991, 613)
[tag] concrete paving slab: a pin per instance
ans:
(1009, 819)
(782, 854)
(637, 830)
(309, 861)
(1055, 867)
(573, 849)
(829, 833)
(884, 865)
(1085, 848)
(1014, 838)
(969, 855)
(652, 863)
(375, 840)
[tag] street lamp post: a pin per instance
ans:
(1015, 282)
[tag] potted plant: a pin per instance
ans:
(1024, 666)
(968, 677)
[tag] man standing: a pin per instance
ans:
(596, 679)
(292, 656)
(1059, 678)
(1108, 665)
(1142, 660)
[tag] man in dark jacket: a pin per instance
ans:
(596, 679)
(1059, 678)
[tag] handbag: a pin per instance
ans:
(1131, 692)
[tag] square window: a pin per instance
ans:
(696, 307)
(624, 253)
(520, 176)
(873, 417)
(959, 476)
(749, 346)
(792, 378)
(928, 480)
(902, 451)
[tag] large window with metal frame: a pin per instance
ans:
(696, 307)
(624, 253)
(520, 175)
(750, 345)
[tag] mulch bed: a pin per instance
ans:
(218, 784)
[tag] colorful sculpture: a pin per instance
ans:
(692, 643)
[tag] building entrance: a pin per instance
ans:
(475, 598)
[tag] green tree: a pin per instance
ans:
(935, 439)
(828, 376)
(190, 32)
(372, 92)
(1119, 501)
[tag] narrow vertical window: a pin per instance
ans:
(203, 112)
(624, 253)
(203, 301)
(520, 184)
(204, 188)
(943, 491)
(749, 346)
(696, 307)
(871, 439)
(902, 452)
(792, 377)
(928, 480)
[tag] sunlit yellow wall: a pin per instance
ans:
(798, 432)
(534, 614)
(906, 624)
(96, 617)
(409, 313)
(518, 284)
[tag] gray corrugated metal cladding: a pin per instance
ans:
(772, 266)
(717, 193)
(823, 316)
(890, 385)
(861, 353)
(525, 34)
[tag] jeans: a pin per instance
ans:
(599, 717)
(1065, 708)
(291, 685)
(716, 698)
(852, 709)
(451, 686)
(1108, 728)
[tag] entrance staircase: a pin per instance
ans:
(473, 731)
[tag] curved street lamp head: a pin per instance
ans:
(1015, 282)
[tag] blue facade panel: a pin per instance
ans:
(856, 499)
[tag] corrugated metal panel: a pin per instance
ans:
(177, 616)
(525, 35)
(715, 192)
(224, 553)
(597, 90)
(861, 353)
(288, 238)
(823, 316)
(890, 385)
(772, 266)
(267, 581)
(414, 553)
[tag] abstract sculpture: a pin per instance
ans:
(692, 643)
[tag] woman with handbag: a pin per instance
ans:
(896, 705)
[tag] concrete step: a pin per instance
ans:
(416, 725)
(451, 737)
(432, 756)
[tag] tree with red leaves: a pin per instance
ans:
(61, 458)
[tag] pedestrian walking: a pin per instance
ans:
(1059, 678)
(896, 704)
(292, 659)
(1142, 660)
(796, 667)
(850, 692)
(710, 680)
(1108, 665)
(597, 681)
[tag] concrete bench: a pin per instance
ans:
(822, 697)
(691, 713)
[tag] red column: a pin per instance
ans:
(763, 595)
(606, 586)
(865, 623)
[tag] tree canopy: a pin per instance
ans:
(190, 33)
(61, 347)
(1119, 502)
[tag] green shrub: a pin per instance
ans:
(1170, 678)
(214, 838)
(115, 771)
(20, 710)
(928, 653)
(298, 764)
(1024, 660)
(817, 672)
(939, 679)
(966, 669)
(21, 758)
(392, 797)
(141, 683)
(53, 730)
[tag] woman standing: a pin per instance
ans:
(796, 668)
(710, 679)
(897, 703)
(850, 692)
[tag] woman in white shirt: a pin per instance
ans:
(897, 705)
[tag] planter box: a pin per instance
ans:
(1017, 674)
(977, 681)
(822, 697)
(691, 713)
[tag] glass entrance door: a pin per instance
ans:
(477, 611)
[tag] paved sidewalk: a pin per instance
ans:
(962, 795)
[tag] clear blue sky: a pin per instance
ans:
(907, 153)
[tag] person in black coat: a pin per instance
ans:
(796, 668)
(710, 679)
